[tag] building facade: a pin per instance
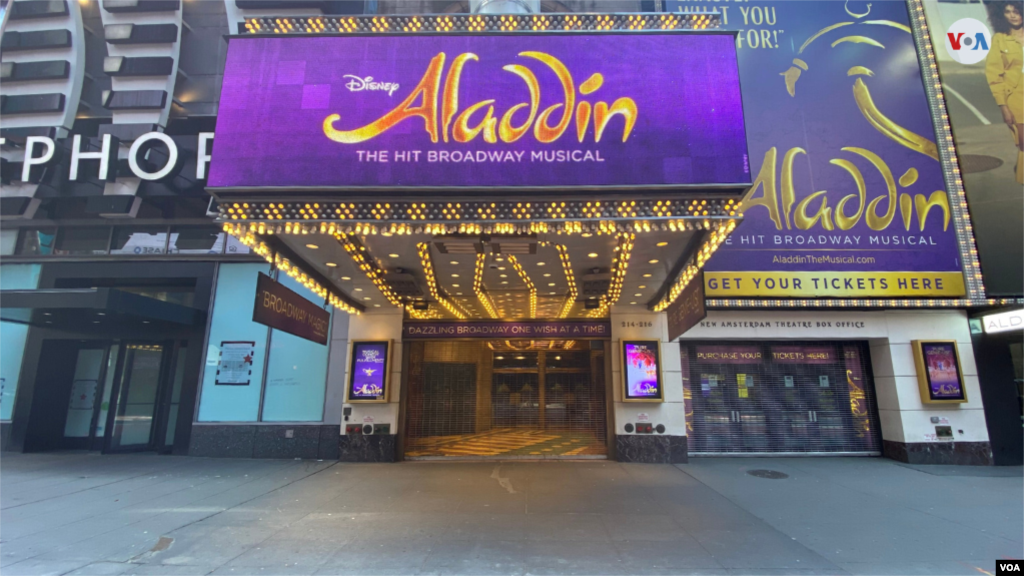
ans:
(307, 229)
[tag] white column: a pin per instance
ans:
(902, 414)
(629, 324)
(337, 363)
(378, 325)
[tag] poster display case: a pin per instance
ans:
(369, 371)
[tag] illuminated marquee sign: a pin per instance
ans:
(496, 111)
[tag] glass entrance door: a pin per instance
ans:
(85, 393)
(144, 372)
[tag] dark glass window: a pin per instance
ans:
(196, 240)
(184, 295)
(82, 240)
(139, 241)
(36, 241)
(513, 359)
(568, 359)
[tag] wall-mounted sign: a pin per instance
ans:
(1003, 322)
(369, 371)
(688, 308)
(561, 329)
(939, 377)
(641, 371)
(849, 199)
(781, 325)
(476, 111)
(96, 158)
(286, 310)
(234, 365)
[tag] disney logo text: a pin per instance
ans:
(357, 84)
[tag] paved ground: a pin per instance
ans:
(147, 514)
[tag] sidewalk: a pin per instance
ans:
(147, 514)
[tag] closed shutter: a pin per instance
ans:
(779, 397)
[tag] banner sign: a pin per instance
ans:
(688, 308)
(563, 329)
(496, 111)
(285, 310)
(982, 79)
(641, 361)
(849, 199)
(803, 355)
(368, 376)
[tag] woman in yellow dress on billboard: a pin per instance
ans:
(1004, 68)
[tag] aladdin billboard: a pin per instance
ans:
(849, 199)
(470, 111)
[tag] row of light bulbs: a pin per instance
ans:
(423, 249)
(695, 264)
(526, 280)
(478, 286)
(249, 239)
(620, 262)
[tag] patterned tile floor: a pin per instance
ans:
(509, 442)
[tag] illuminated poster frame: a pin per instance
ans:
(628, 385)
(926, 358)
(357, 349)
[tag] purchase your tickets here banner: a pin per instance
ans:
(834, 284)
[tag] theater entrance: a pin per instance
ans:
(506, 399)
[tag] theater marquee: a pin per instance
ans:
(474, 111)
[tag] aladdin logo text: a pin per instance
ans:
(437, 104)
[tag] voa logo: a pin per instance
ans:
(967, 41)
(1008, 567)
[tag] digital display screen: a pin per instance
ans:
(942, 370)
(368, 376)
(642, 370)
(496, 111)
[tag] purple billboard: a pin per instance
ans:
(849, 199)
(369, 373)
(515, 111)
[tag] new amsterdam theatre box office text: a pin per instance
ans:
(522, 237)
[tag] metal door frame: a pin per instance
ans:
(160, 407)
